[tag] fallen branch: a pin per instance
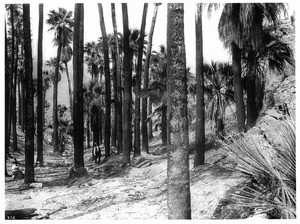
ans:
(20, 213)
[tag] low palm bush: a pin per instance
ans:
(271, 171)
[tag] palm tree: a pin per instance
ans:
(179, 199)
(157, 91)
(137, 131)
(199, 154)
(61, 23)
(145, 144)
(78, 169)
(107, 132)
(236, 33)
(40, 132)
(66, 55)
(29, 132)
(218, 89)
(119, 81)
(93, 59)
(272, 54)
(127, 87)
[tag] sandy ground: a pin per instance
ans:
(113, 192)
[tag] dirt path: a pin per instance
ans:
(111, 192)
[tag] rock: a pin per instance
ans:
(36, 185)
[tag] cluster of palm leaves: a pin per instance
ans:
(271, 171)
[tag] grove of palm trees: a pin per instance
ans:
(113, 118)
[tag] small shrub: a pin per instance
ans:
(271, 170)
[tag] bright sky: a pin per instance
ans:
(213, 48)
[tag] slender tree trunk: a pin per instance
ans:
(127, 88)
(78, 137)
(7, 89)
(115, 108)
(55, 91)
(10, 104)
(199, 155)
(23, 94)
(252, 112)
(19, 100)
(238, 90)
(179, 199)
(29, 131)
(70, 89)
(119, 82)
(164, 130)
(145, 144)
(137, 129)
(88, 133)
(14, 99)
(107, 83)
(150, 126)
(40, 131)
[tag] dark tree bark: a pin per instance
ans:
(88, 133)
(199, 155)
(114, 122)
(145, 143)
(137, 125)
(252, 111)
(119, 82)
(238, 90)
(29, 130)
(150, 131)
(164, 130)
(78, 136)
(95, 124)
(179, 199)
(107, 83)
(40, 131)
(6, 101)
(127, 88)
(55, 91)
(70, 89)
(14, 98)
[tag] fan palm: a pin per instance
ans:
(66, 55)
(240, 25)
(273, 54)
(61, 22)
(93, 59)
(218, 90)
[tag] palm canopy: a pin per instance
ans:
(62, 23)
(272, 52)
(93, 57)
(51, 63)
(242, 23)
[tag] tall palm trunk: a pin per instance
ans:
(179, 199)
(107, 83)
(137, 125)
(115, 102)
(164, 130)
(145, 144)
(70, 89)
(10, 85)
(238, 90)
(78, 137)
(252, 112)
(40, 132)
(199, 154)
(119, 82)
(55, 91)
(127, 88)
(29, 130)
(7, 90)
(14, 99)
